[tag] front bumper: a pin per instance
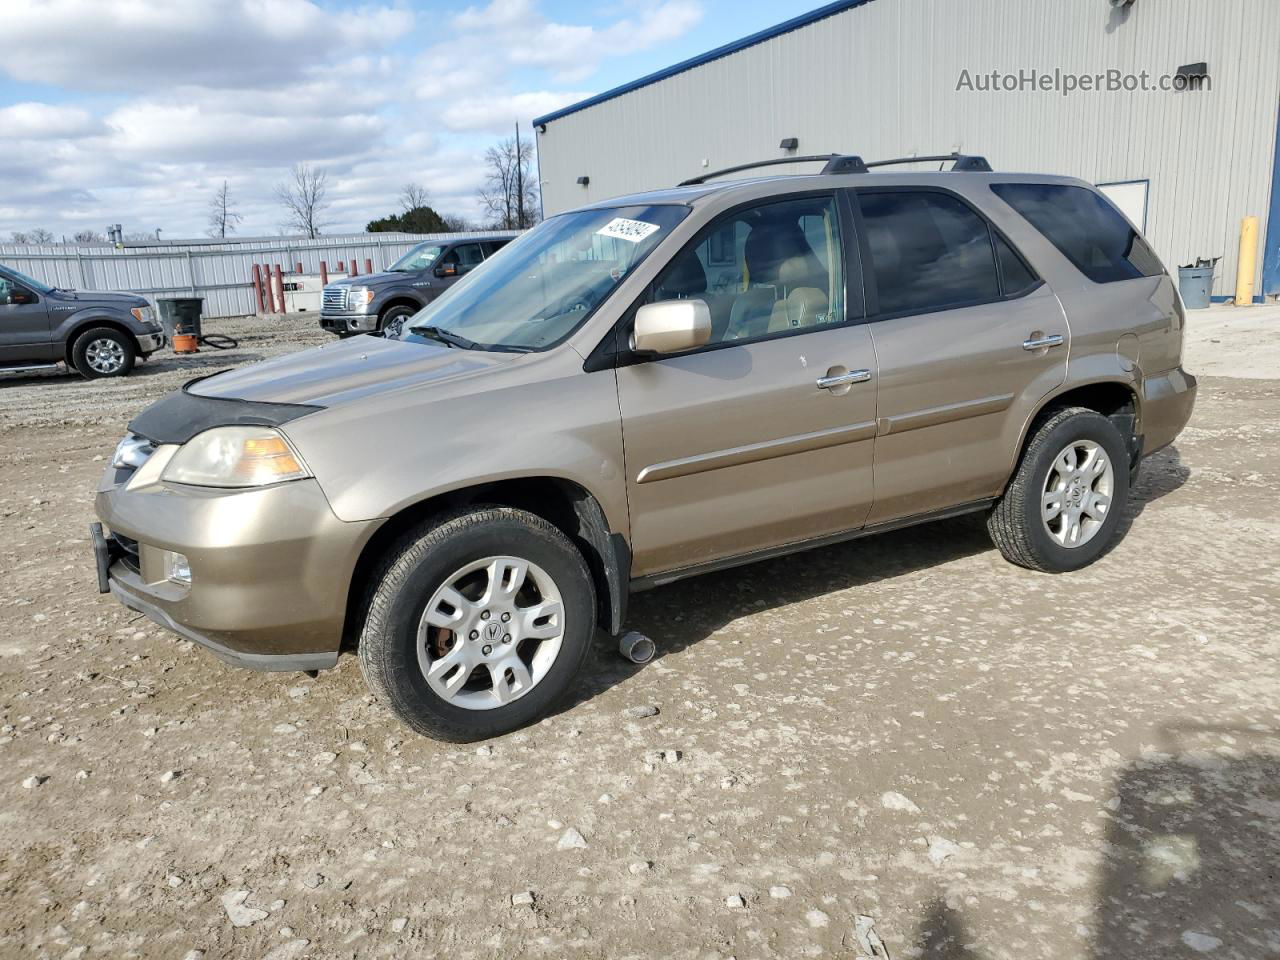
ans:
(349, 322)
(1167, 403)
(151, 342)
(271, 566)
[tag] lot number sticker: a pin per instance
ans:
(624, 229)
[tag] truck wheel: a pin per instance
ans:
(1062, 508)
(478, 624)
(393, 321)
(103, 352)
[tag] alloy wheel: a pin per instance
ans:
(490, 633)
(1077, 494)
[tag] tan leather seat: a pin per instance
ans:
(802, 303)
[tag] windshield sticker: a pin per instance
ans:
(631, 230)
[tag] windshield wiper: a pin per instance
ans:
(446, 337)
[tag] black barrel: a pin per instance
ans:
(180, 315)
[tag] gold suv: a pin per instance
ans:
(643, 390)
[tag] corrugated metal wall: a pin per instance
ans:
(880, 80)
(219, 272)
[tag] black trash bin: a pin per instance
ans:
(180, 315)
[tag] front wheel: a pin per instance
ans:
(478, 624)
(103, 352)
(393, 321)
(1062, 508)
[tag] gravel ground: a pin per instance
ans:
(898, 747)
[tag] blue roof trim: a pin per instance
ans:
(795, 23)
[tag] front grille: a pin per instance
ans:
(335, 298)
(128, 551)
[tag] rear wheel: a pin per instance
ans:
(1062, 508)
(103, 352)
(478, 624)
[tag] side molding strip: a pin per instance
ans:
(932, 416)
(752, 452)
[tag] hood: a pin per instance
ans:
(348, 370)
(98, 296)
(372, 279)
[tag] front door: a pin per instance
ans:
(968, 341)
(25, 335)
(763, 437)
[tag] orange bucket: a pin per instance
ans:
(185, 343)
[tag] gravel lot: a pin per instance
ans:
(898, 747)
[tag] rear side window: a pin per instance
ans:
(1085, 227)
(1015, 276)
(929, 251)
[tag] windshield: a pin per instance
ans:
(542, 286)
(26, 281)
(419, 258)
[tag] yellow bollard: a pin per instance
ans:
(1248, 262)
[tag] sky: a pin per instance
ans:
(136, 111)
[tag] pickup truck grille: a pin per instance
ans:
(335, 299)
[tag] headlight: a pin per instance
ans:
(235, 457)
(145, 314)
(358, 298)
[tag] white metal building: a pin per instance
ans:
(892, 78)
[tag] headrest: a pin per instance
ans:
(797, 272)
(686, 278)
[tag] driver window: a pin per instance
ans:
(764, 271)
(12, 294)
(469, 257)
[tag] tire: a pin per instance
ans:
(1029, 537)
(103, 352)
(424, 565)
(392, 322)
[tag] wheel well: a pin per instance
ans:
(564, 504)
(400, 302)
(1115, 401)
(85, 327)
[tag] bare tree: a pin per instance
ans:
(413, 197)
(19, 237)
(40, 235)
(223, 215)
(510, 191)
(303, 197)
(87, 236)
(456, 224)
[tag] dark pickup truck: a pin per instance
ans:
(384, 301)
(98, 334)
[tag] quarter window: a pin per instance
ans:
(1085, 227)
(929, 251)
(764, 271)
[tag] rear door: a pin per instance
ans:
(762, 437)
(968, 340)
(25, 333)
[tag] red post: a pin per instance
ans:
(342, 266)
(299, 267)
(257, 288)
(280, 286)
(269, 296)
(368, 265)
(355, 271)
(324, 273)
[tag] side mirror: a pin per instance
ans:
(18, 295)
(672, 326)
(447, 270)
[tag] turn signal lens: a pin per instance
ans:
(236, 457)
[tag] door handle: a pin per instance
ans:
(844, 379)
(1040, 342)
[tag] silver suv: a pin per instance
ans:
(646, 389)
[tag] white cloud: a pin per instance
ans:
(43, 121)
(497, 113)
(235, 44)
(162, 100)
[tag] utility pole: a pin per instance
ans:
(519, 182)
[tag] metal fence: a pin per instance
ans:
(220, 272)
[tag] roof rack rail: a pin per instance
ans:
(835, 163)
(960, 162)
